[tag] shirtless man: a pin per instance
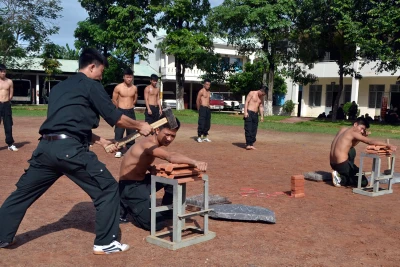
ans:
(203, 106)
(134, 182)
(124, 98)
(253, 105)
(343, 153)
(6, 95)
(152, 98)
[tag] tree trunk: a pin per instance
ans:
(336, 104)
(180, 81)
(268, 108)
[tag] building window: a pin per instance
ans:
(331, 94)
(375, 95)
(347, 93)
(315, 95)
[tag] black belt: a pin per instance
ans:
(52, 137)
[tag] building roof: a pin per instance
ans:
(71, 66)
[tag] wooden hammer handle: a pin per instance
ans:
(135, 135)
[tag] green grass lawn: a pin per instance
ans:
(270, 123)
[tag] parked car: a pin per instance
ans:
(216, 101)
(231, 104)
(169, 99)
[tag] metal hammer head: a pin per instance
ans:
(173, 124)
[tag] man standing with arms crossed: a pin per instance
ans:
(124, 98)
(6, 95)
(152, 98)
(253, 105)
(75, 107)
(203, 106)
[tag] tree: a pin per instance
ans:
(217, 69)
(68, 53)
(187, 38)
(92, 32)
(251, 79)
(257, 26)
(130, 24)
(50, 63)
(25, 26)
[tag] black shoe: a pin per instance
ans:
(123, 220)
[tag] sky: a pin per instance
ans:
(73, 13)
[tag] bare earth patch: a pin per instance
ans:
(329, 227)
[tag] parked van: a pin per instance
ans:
(169, 99)
(216, 101)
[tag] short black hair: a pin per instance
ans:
(362, 121)
(168, 126)
(264, 88)
(154, 77)
(91, 56)
(128, 71)
(207, 81)
(2, 67)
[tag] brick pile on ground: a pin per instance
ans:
(183, 172)
(297, 182)
(378, 150)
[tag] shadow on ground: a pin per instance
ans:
(18, 145)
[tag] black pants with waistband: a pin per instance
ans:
(204, 122)
(49, 161)
(119, 132)
(250, 127)
(135, 199)
(154, 116)
(6, 116)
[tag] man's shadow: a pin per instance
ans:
(241, 145)
(18, 145)
(81, 217)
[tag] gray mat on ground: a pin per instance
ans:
(395, 180)
(318, 176)
(212, 199)
(242, 213)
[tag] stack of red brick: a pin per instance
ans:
(379, 150)
(297, 186)
(183, 172)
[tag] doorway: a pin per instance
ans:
(395, 100)
(300, 97)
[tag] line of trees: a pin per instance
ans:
(279, 32)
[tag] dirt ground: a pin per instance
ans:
(329, 227)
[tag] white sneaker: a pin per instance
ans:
(114, 247)
(336, 179)
(199, 140)
(12, 148)
(206, 139)
(118, 154)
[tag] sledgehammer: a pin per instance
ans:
(169, 118)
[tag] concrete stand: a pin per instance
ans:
(374, 189)
(179, 216)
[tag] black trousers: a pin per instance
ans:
(154, 116)
(135, 200)
(6, 116)
(49, 161)
(250, 127)
(204, 122)
(348, 170)
(119, 132)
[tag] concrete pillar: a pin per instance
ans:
(161, 92)
(37, 89)
(191, 96)
(355, 83)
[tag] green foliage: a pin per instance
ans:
(346, 107)
(25, 26)
(68, 53)
(50, 63)
(288, 106)
(251, 79)
(113, 73)
(130, 26)
(216, 68)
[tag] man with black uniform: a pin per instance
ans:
(74, 109)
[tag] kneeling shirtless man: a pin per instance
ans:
(343, 153)
(134, 182)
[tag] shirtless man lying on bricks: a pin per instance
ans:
(343, 153)
(135, 181)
